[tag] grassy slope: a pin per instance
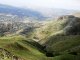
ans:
(53, 36)
(49, 29)
(63, 43)
(66, 25)
(16, 46)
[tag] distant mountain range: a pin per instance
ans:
(37, 13)
(54, 12)
(5, 9)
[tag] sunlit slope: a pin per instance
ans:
(65, 25)
(19, 47)
(62, 37)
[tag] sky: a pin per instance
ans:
(66, 4)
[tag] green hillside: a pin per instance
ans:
(16, 46)
(55, 40)
(62, 37)
(65, 25)
(64, 43)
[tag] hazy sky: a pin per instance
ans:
(68, 4)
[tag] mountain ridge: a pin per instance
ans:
(20, 11)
